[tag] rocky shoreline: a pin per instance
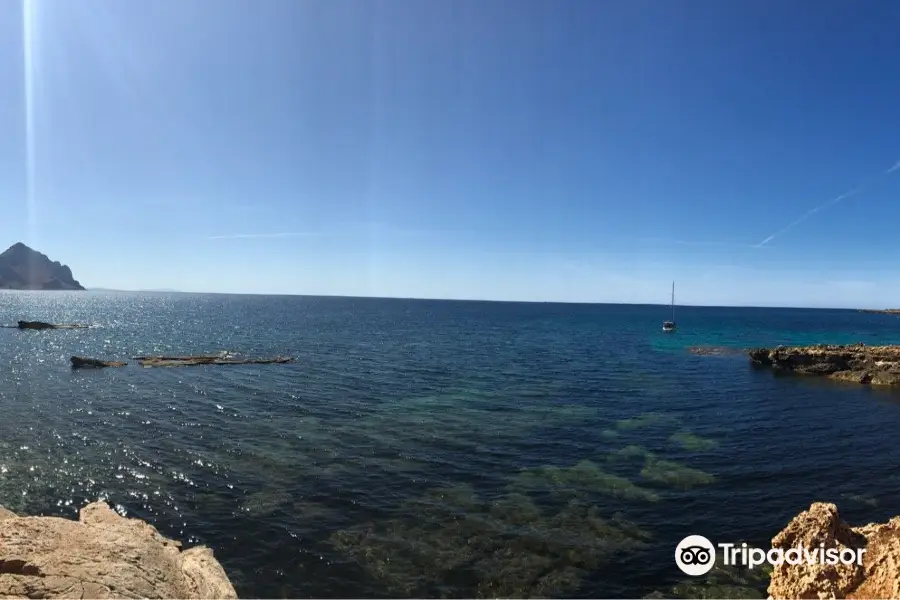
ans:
(102, 555)
(856, 363)
(877, 577)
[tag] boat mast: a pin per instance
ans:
(673, 301)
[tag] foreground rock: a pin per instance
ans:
(43, 325)
(187, 361)
(80, 362)
(857, 363)
(878, 577)
(102, 555)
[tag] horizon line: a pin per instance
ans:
(426, 299)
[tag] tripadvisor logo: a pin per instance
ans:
(695, 555)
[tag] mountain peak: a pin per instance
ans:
(23, 268)
(18, 247)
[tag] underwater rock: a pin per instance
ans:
(508, 547)
(716, 350)
(80, 362)
(583, 477)
(721, 582)
(666, 472)
(650, 419)
(857, 363)
(691, 442)
(102, 555)
(877, 577)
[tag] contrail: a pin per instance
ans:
(831, 202)
(807, 215)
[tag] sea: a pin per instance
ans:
(422, 448)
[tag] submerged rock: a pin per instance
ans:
(856, 363)
(80, 362)
(451, 543)
(877, 577)
(102, 555)
(43, 325)
(716, 350)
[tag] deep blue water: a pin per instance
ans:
(438, 448)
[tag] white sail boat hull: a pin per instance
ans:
(669, 326)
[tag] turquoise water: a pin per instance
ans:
(424, 448)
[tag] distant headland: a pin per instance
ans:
(22, 268)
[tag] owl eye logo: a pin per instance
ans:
(695, 555)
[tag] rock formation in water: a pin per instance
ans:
(22, 268)
(858, 363)
(214, 359)
(81, 362)
(43, 325)
(877, 577)
(102, 555)
(883, 311)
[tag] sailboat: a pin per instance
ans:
(670, 325)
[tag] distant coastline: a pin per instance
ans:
(160, 291)
(883, 311)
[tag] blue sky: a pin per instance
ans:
(533, 150)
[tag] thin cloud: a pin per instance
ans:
(246, 236)
(715, 244)
(894, 168)
(700, 243)
(669, 241)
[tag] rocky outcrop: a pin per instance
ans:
(187, 361)
(22, 268)
(102, 555)
(80, 362)
(883, 311)
(43, 325)
(821, 526)
(857, 363)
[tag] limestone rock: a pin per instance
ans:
(80, 362)
(187, 361)
(44, 325)
(878, 577)
(102, 555)
(875, 365)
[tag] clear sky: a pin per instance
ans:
(576, 150)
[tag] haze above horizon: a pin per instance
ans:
(490, 149)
